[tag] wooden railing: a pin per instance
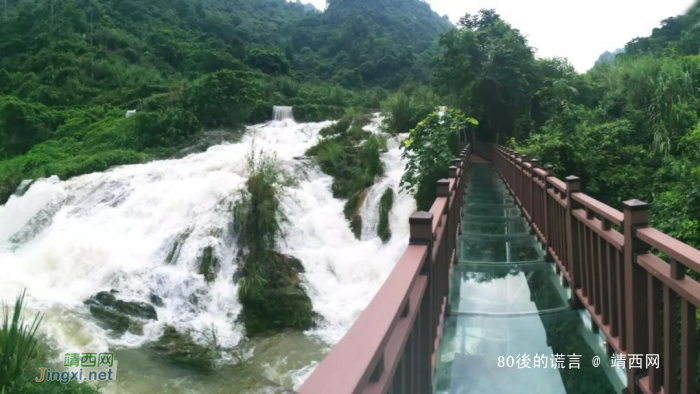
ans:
(611, 261)
(392, 347)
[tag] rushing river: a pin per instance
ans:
(64, 241)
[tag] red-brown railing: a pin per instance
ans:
(605, 255)
(392, 347)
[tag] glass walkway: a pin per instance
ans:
(508, 315)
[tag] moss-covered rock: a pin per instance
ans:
(118, 315)
(352, 210)
(179, 348)
(116, 321)
(208, 264)
(273, 298)
(141, 310)
(385, 205)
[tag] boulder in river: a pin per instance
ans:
(118, 315)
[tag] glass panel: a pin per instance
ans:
(494, 226)
(499, 249)
(487, 199)
(468, 359)
(503, 290)
(494, 210)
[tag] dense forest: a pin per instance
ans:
(70, 70)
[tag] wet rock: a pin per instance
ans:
(276, 303)
(208, 264)
(23, 187)
(136, 309)
(102, 298)
(385, 205)
(294, 263)
(38, 223)
(179, 348)
(114, 320)
(353, 208)
(155, 300)
(176, 247)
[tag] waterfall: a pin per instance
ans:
(67, 240)
(282, 113)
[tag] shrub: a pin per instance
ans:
(429, 151)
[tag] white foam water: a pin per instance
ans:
(64, 241)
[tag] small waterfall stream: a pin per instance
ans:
(282, 113)
(67, 240)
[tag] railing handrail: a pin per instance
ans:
(366, 358)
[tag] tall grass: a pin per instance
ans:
(17, 342)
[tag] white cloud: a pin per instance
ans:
(577, 30)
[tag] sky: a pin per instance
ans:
(578, 30)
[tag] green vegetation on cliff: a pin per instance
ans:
(352, 156)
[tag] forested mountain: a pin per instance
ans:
(70, 69)
(360, 39)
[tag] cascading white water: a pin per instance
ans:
(282, 113)
(67, 240)
(393, 172)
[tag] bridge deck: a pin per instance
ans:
(507, 302)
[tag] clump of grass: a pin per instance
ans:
(17, 342)
(257, 215)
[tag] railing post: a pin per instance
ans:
(636, 215)
(573, 185)
(547, 231)
(421, 233)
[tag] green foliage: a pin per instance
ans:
(403, 110)
(225, 98)
(17, 343)
(429, 150)
(385, 205)
(487, 69)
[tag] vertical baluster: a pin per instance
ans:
(635, 216)
(573, 185)
(670, 358)
(689, 351)
(622, 316)
(655, 289)
(610, 307)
